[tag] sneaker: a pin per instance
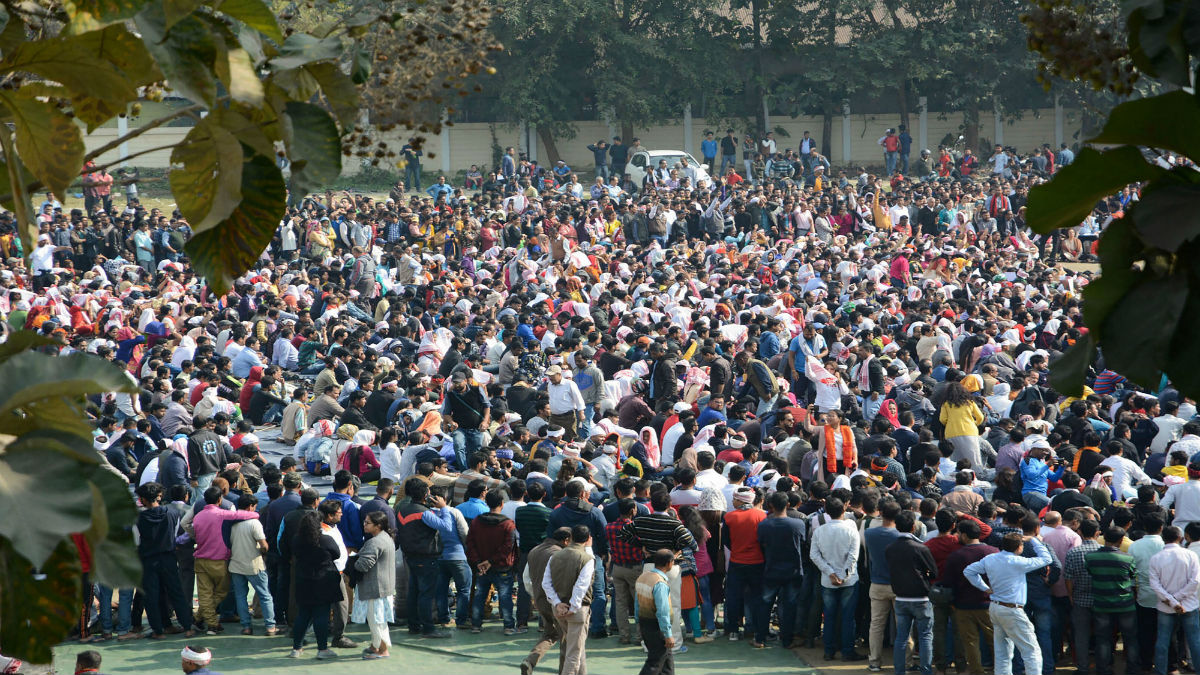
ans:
(735, 636)
(345, 643)
(516, 631)
(296, 653)
(680, 649)
(326, 654)
(874, 667)
(702, 640)
(476, 630)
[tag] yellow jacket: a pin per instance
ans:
(961, 420)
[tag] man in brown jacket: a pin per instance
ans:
(567, 582)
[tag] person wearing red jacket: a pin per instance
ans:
(492, 552)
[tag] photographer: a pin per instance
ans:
(1037, 470)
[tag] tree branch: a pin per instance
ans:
(114, 144)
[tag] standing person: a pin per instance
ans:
(728, 151)
(834, 550)
(876, 540)
(1079, 587)
(961, 417)
(1143, 550)
(654, 614)
(373, 595)
(970, 604)
(625, 566)
(248, 568)
(422, 547)
(891, 150)
(212, 556)
(157, 526)
(743, 580)
(492, 550)
(708, 149)
(781, 538)
(912, 571)
(905, 148)
(317, 574)
(1006, 571)
(1113, 578)
(1175, 579)
(411, 152)
(566, 403)
(567, 583)
(536, 566)
(600, 155)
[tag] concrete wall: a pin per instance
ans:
(472, 143)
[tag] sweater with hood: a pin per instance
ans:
(493, 537)
(156, 530)
(572, 512)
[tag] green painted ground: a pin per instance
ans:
(489, 653)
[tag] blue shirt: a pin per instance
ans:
(1006, 572)
(351, 524)
(443, 521)
(1036, 475)
(877, 539)
(472, 508)
(708, 148)
(710, 416)
(768, 346)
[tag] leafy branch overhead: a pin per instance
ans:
(269, 90)
(1143, 313)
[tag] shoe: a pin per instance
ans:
(273, 630)
(326, 654)
(190, 633)
(344, 643)
(624, 640)
(702, 640)
(755, 644)
(247, 631)
(516, 631)
(157, 636)
(296, 653)
(124, 637)
(476, 630)
(373, 656)
(855, 656)
(679, 649)
(173, 630)
(830, 657)
(734, 636)
(435, 635)
(215, 631)
(598, 635)
(874, 667)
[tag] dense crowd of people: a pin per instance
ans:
(781, 408)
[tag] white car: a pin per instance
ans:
(647, 160)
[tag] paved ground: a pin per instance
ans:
(489, 653)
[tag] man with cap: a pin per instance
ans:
(471, 410)
(589, 379)
(566, 402)
(380, 402)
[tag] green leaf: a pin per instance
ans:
(114, 555)
(32, 376)
(208, 186)
(1156, 41)
(1067, 373)
(26, 179)
(297, 83)
(1131, 349)
(1166, 216)
(1069, 197)
(1156, 122)
(38, 611)
(22, 341)
(1119, 246)
(1184, 363)
(1102, 294)
(241, 79)
(244, 130)
(301, 49)
(36, 519)
(89, 15)
(339, 91)
(186, 53)
(12, 34)
(224, 251)
(360, 66)
(49, 143)
(314, 148)
(253, 13)
(175, 11)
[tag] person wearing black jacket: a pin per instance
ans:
(422, 546)
(720, 375)
(912, 573)
(157, 526)
(282, 544)
(279, 570)
(205, 455)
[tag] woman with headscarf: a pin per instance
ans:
(646, 450)
(1100, 489)
(359, 459)
(315, 448)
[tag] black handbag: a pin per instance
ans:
(941, 595)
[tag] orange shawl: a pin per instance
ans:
(849, 454)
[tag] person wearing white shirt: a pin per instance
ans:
(391, 463)
(835, 548)
(707, 478)
(604, 467)
(571, 613)
(1185, 497)
(1174, 577)
(1125, 472)
(1170, 427)
(566, 403)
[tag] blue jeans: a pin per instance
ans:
(839, 609)
(787, 592)
(274, 414)
(203, 482)
(460, 572)
(241, 590)
(889, 160)
(422, 589)
(909, 613)
(466, 442)
(599, 599)
(503, 582)
(743, 586)
(1103, 627)
(124, 609)
(731, 160)
(707, 611)
(1041, 613)
(1167, 624)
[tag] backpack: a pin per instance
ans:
(809, 529)
(810, 466)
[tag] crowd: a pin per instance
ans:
(778, 409)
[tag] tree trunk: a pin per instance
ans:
(759, 71)
(546, 138)
(827, 131)
(627, 133)
(971, 127)
(902, 102)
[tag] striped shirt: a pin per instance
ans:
(1112, 572)
(658, 530)
(531, 521)
(1075, 568)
